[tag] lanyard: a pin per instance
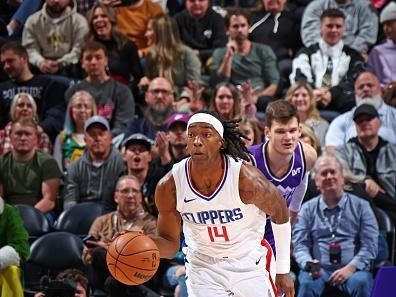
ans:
(327, 221)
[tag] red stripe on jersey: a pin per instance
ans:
(265, 244)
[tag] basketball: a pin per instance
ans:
(132, 258)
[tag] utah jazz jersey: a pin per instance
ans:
(285, 184)
(219, 225)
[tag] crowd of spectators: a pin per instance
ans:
(95, 96)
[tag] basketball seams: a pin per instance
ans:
(132, 267)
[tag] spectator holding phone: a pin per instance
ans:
(335, 236)
(129, 216)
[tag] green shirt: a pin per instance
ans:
(22, 180)
(258, 66)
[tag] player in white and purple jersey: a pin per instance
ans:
(283, 159)
(223, 203)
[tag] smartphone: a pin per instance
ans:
(90, 238)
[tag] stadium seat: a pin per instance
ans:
(51, 254)
(79, 218)
(34, 221)
(386, 224)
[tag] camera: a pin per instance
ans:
(58, 288)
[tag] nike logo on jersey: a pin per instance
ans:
(258, 261)
(189, 200)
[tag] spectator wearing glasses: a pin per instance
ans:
(129, 216)
(160, 99)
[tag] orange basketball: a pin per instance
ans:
(132, 258)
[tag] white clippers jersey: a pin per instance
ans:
(219, 225)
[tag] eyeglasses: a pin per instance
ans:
(126, 192)
(156, 92)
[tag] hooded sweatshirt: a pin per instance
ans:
(59, 39)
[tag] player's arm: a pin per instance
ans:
(255, 189)
(169, 222)
(299, 193)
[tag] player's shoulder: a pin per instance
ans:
(167, 180)
(249, 172)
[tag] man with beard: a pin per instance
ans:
(114, 100)
(243, 60)
(367, 91)
(58, 50)
(94, 175)
(159, 98)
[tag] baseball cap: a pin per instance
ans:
(388, 13)
(177, 117)
(365, 109)
(96, 120)
(138, 138)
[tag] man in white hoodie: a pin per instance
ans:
(54, 36)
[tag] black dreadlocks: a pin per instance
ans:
(233, 138)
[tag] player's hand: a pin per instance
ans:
(340, 276)
(285, 285)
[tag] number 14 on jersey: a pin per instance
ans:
(218, 234)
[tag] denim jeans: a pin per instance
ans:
(27, 8)
(174, 280)
(358, 285)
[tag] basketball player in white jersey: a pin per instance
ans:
(223, 203)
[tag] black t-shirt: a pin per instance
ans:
(371, 159)
(48, 94)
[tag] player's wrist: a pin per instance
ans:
(282, 236)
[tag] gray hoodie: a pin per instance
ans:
(87, 182)
(59, 39)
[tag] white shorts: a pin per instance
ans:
(251, 275)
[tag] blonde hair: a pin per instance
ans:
(14, 104)
(308, 132)
(313, 112)
(166, 48)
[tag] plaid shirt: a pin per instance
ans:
(44, 143)
(83, 6)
